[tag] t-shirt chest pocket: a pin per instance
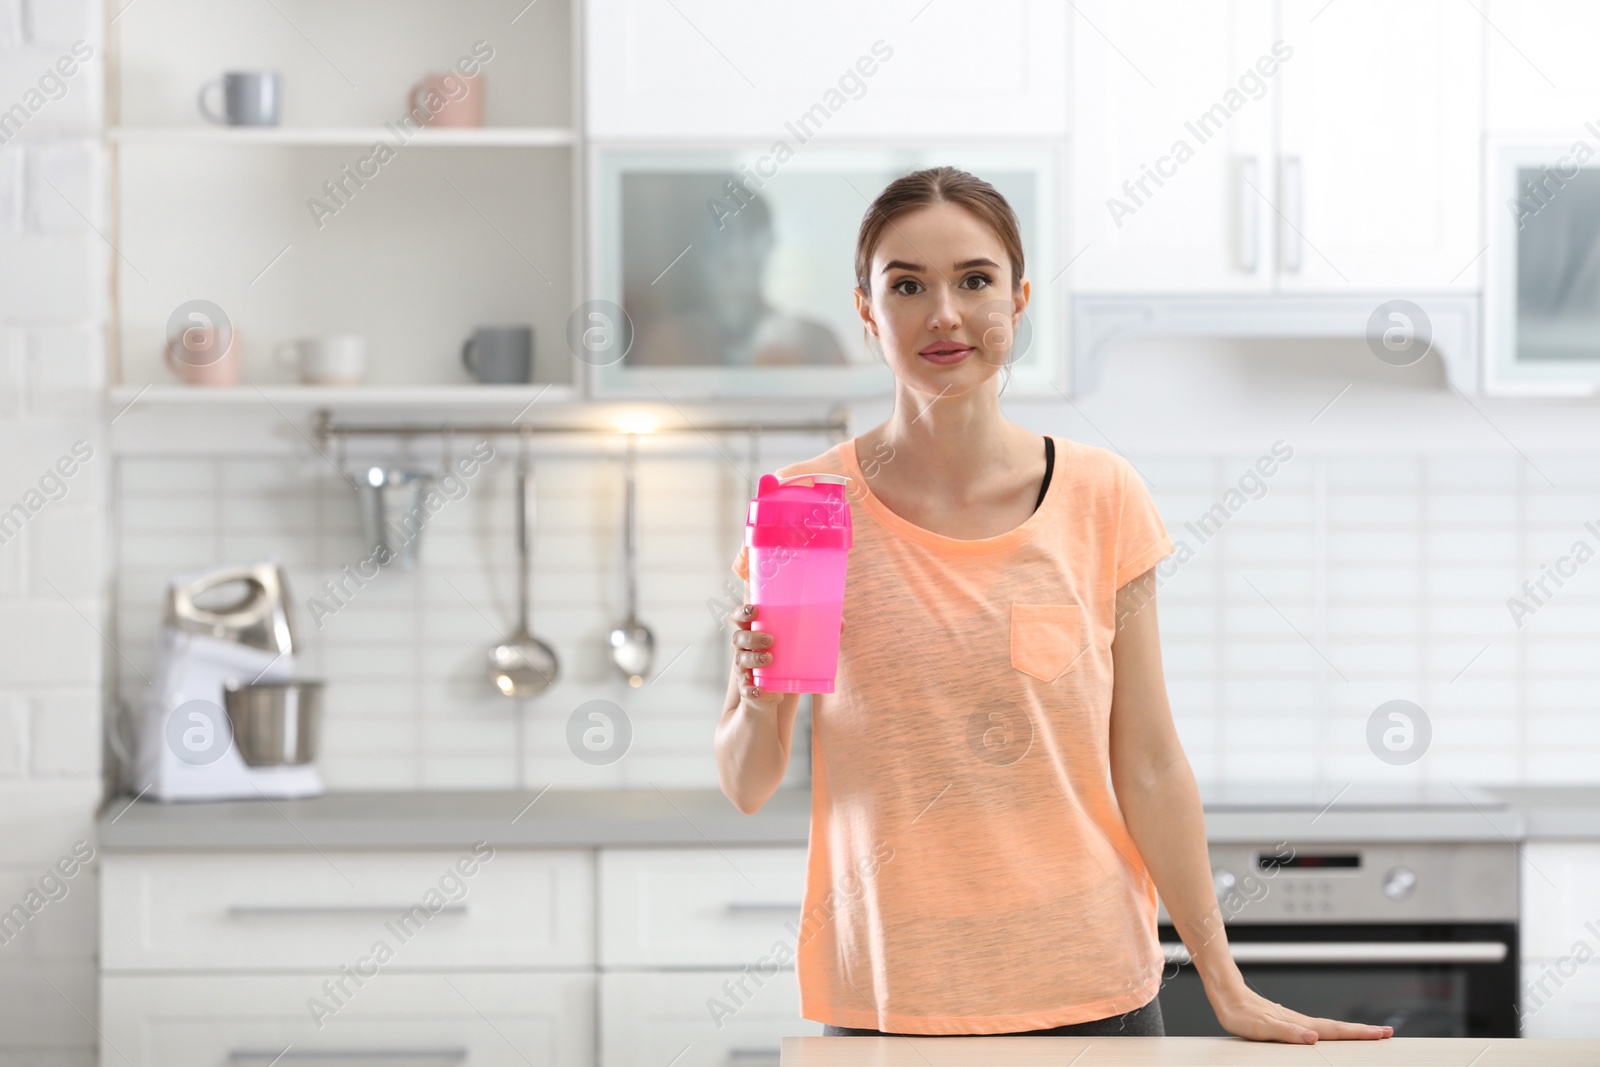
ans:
(1047, 640)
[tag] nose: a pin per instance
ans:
(946, 314)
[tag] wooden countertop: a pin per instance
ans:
(1182, 1052)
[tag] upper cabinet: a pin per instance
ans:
(1380, 141)
(1542, 77)
(721, 70)
(1542, 204)
(1260, 146)
(1172, 175)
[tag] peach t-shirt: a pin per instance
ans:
(969, 870)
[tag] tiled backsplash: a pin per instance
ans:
(1312, 596)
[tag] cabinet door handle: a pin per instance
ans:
(1291, 245)
(440, 1057)
(1247, 214)
(1353, 951)
(744, 1055)
(291, 911)
(761, 907)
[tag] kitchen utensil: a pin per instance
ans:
(274, 723)
(334, 359)
(448, 98)
(499, 355)
(524, 665)
(392, 516)
(799, 539)
(249, 98)
(205, 354)
(227, 643)
(632, 644)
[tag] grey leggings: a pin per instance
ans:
(1140, 1022)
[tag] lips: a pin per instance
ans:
(946, 352)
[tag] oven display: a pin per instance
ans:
(1309, 861)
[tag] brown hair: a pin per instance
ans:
(933, 186)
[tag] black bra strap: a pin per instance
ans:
(1049, 467)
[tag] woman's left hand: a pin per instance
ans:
(1250, 1015)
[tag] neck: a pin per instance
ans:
(963, 437)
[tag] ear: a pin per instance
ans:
(864, 309)
(1020, 296)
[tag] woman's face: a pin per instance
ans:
(942, 305)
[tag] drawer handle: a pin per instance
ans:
(759, 907)
(281, 911)
(409, 1057)
(1352, 951)
(740, 1055)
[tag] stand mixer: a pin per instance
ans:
(224, 717)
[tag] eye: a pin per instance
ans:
(907, 287)
(983, 281)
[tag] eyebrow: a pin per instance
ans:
(901, 264)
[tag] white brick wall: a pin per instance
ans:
(53, 301)
(1394, 567)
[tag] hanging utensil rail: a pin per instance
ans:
(836, 425)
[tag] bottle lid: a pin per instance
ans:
(786, 512)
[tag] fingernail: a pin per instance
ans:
(749, 609)
(766, 657)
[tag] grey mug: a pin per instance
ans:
(499, 355)
(249, 98)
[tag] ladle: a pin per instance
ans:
(523, 665)
(632, 645)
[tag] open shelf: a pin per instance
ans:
(477, 136)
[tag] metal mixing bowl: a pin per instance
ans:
(275, 723)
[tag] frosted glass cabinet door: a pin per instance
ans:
(720, 69)
(1172, 177)
(1542, 301)
(1381, 135)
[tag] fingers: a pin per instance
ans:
(748, 660)
(1335, 1030)
(750, 650)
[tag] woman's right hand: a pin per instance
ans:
(751, 649)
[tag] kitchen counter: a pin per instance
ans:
(1555, 811)
(1181, 1052)
(554, 818)
(592, 818)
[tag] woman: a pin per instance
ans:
(998, 789)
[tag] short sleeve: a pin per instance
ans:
(1142, 539)
(741, 563)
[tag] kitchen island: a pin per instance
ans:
(1181, 1052)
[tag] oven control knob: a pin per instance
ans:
(1224, 881)
(1399, 883)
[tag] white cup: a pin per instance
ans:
(336, 359)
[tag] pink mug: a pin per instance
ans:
(448, 98)
(201, 363)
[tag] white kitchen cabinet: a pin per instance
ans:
(1560, 931)
(699, 1018)
(432, 1020)
(318, 911)
(1542, 77)
(1560, 897)
(725, 70)
(1380, 145)
(1560, 998)
(1342, 153)
(1164, 198)
(698, 907)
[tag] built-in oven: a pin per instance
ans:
(1421, 937)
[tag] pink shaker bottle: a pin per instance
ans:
(799, 537)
